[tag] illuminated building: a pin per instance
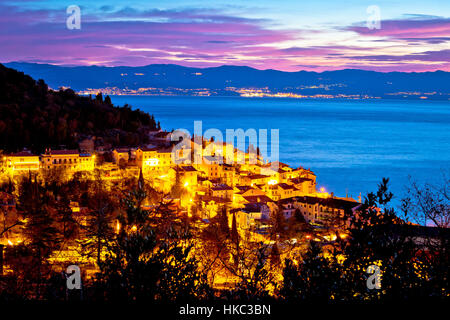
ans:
(188, 175)
(279, 191)
(21, 162)
(252, 211)
(70, 160)
(121, 153)
(304, 185)
(154, 159)
(212, 167)
(211, 206)
(255, 179)
(222, 191)
(317, 210)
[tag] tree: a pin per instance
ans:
(223, 221)
(314, 278)
(428, 204)
(234, 231)
(9, 220)
(65, 220)
(254, 277)
(138, 267)
(235, 240)
(108, 100)
(99, 97)
(178, 188)
(99, 225)
(377, 237)
(41, 235)
(278, 222)
(275, 256)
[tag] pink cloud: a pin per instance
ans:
(201, 38)
(407, 28)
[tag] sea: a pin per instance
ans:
(350, 144)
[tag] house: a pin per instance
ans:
(254, 199)
(70, 160)
(146, 158)
(304, 185)
(277, 170)
(280, 191)
(257, 210)
(110, 171)
(223, 191)
(21, 162)
(254, 215)
(229, 175)
(164, 156)
(211, 206)
(211, 167)
(154, 159)
(119, 154)
(288, 209)
(318, 210)
(245, 191)
(255, 179)
(305, 173)
(188, 175)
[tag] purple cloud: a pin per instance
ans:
(407, 28)
(441, 56)
(204, 37)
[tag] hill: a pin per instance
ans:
(35, 117)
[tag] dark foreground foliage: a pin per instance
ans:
(149, 257)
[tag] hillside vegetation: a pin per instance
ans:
(35, 117)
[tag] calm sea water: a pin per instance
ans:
(350, 145)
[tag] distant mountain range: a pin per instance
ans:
(240, 80)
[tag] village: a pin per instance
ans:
(250, 190)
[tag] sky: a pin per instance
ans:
(288, 35)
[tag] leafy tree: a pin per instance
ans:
(99, 223)
(41, 235)
(108, 100)
(178, 188)
(376, 237)
(138, 267)
(278, 222)
(234, 231)
(223, 221)
(313, 278)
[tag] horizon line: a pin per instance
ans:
(216, 67)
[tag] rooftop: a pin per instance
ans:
(336, 203)
(255, 199)
(214, 199)
(219, 187)
(61, 152)
(24, 153)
